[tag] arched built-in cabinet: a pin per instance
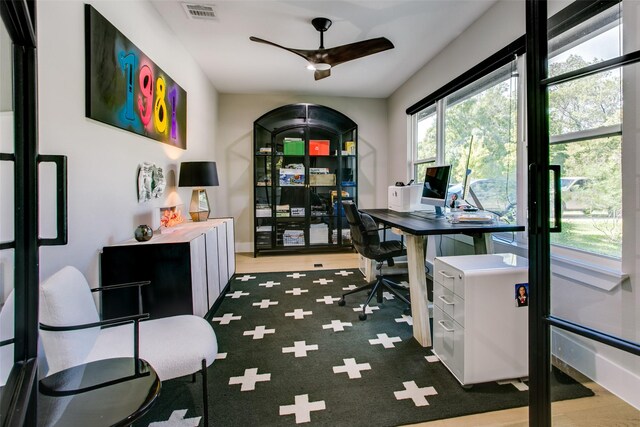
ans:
(305, 165)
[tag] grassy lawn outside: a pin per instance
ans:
(592, 233)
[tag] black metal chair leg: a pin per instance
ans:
(359, 288)
(205, 393)
(397, 294)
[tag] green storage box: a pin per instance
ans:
(293, 147)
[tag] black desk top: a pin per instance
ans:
(413, 224)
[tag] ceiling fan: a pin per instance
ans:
(322, 60)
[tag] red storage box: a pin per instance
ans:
(319, 147)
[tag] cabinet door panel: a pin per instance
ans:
(199, 277)
(231, 252)
(213, 270)
(166, 266)
(223, 263)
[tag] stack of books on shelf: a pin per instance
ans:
(263, 211)
(318, 234)
(263, 235)
(297, 212)
(321, 176)
(282, 211)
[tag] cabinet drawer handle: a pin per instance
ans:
(441, 298)
(445, 274)
(441, 323)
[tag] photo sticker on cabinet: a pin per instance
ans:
(522, 294)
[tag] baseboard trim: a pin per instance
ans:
(609, 374)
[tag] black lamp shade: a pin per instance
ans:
(198, 174)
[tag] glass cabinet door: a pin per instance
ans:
(323, 147)
(290, 196)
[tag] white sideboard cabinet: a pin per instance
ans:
(479, 331)
(188, 267)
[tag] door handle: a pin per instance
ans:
(61, 200)
(557, 200)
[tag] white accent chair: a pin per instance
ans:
(72, 333)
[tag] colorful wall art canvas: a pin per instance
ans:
(127, 90)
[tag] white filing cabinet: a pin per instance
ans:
(479, 332)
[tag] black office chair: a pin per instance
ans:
(366, 240)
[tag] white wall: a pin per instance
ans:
(235, 151)
(616, 311)
(103, 160)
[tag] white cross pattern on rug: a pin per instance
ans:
(344, 273)
(265, 303)
(521, 386)
(269, 284)
(259, 332)
(238, 294)
(296, 291)
(249, 379)
(323, 281)
(386, 341)
(368, 310)
(226, 318)
(337, 325)
(351, 368)
(221, 356)
(296, 275)
(328, 299)
(405, 318)
(415, 393)
(349, 288)
(302, 408)
(404, 284)
(177, 419)
(245, 278)
(432, 358)
(388, 295)
(298, 313)
(300, 348)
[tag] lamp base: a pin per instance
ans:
(199, 216)
(199, 208)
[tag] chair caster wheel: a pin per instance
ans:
(362, 316)
(342, 302)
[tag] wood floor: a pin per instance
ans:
(603, 409)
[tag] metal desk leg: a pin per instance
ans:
(418, 289)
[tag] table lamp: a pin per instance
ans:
(199, 175)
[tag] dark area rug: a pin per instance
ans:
(315, 362)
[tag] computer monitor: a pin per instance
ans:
(436, 184)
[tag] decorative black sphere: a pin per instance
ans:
(143, 233)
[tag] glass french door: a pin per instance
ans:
(582, 255)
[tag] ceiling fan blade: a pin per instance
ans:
(305, 54)
(348, 52)
(321, 74)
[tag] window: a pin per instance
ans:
(426, 141)
(585, 124)
(475, 130)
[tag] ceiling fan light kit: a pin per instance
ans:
(322, 60)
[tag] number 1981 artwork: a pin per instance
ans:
(127, 90)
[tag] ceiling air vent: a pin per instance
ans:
(199, 11)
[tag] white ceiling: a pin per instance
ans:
(419, 29)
